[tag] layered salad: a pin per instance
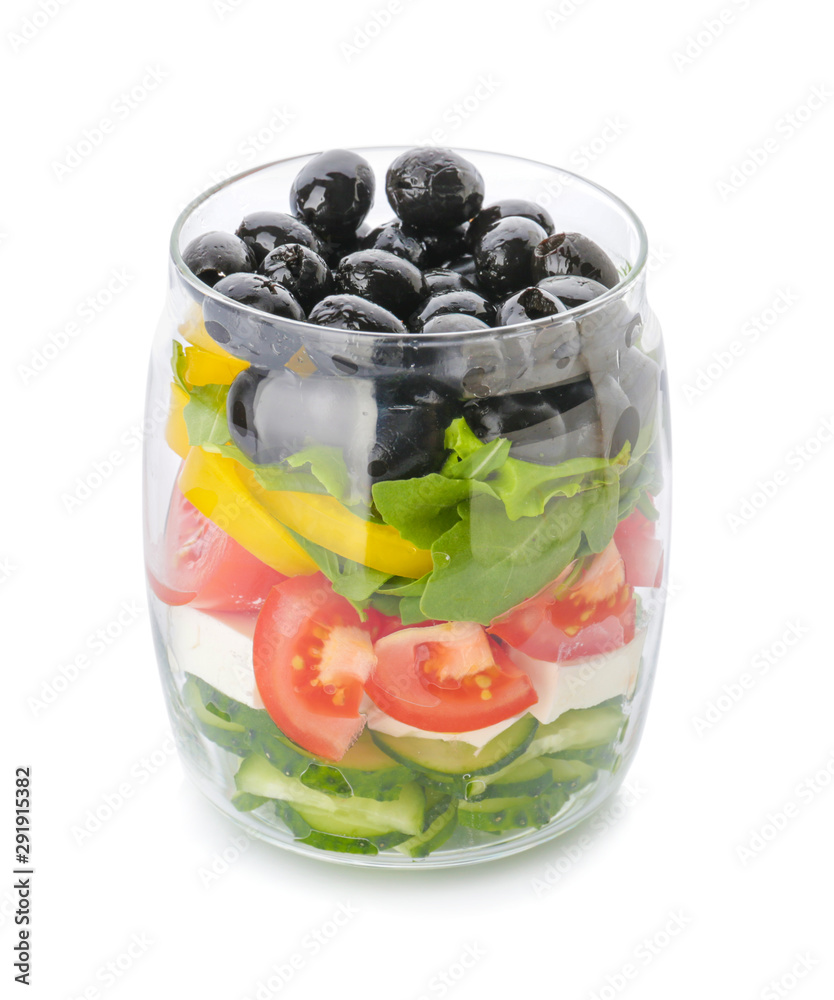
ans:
(412, 541)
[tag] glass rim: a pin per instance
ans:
(577, 313)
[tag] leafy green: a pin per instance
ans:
(205, 416)
(424, 508)
(350, 579)
(486, 563)
(178, 364)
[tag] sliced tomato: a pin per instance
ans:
(312, 657)
(447, 678)
(594, 615)
(641, 550)
(199, 564)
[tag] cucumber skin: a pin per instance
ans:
(258, 734)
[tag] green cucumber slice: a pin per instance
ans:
(499, 815)
(524, 778)
(435, 835)
(448, 760)
(580, 729)
(351, 817)
(575, 773)
(365, 770)
(303, 833)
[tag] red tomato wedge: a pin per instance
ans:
(641, 550)
(312, 657)
(595, 615)
(199, 564)
(447, 678)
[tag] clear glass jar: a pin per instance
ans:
(499, 597)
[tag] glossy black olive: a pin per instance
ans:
(573, 253)
(264, 231)
(466, 302)
(433, 189)
(215, 255)
(382, 277)
(332, 249)
(444, 279)
(528, 304)
(453, 323)
(396, 239)
(301, 271)
(504, 255)
(490, 214)
(448, 244)
(571, 289)
(412, 416)
(350, 312)
(503, 416)
(333, 192)
(465, 267)
(244, 335)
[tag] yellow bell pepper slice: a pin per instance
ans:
(176, 433)
(328, 523)
(212, 483)
(207, 368)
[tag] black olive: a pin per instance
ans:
(573, 253)
(333, 192)
(412, 416)
(245, 336)
(453, 323)
(264, 231)
(445, 245)
(215, 255)
(350, 312)
(490, 214)
(504, 255)
(300, 270)
(432, 189)
(396, 239)
(531, 303)
(571, 289)
(467, 302)
(444, 279)
(383, 278)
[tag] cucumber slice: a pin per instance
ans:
(525, 778)
(303, 833)
(453, 760)
(365, 770)
(351, 817)
(435, 835)
(498, 815)
(575, 773)
(580, 729)
(244, 802)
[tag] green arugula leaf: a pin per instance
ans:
(178, 363)
(461, 439)
(486, 563)
(422, 509)
(205, 416)
(480, 463)
(353, 581)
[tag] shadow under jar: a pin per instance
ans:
(407, 589)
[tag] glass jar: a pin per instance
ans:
(422, 628)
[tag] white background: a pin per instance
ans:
(628, 95)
